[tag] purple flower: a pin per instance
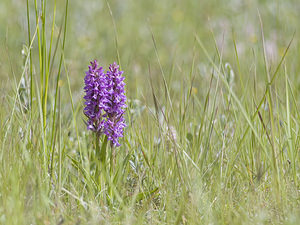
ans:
(96, 94)
(105, 101)
(115, 123)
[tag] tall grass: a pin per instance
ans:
(212, 137)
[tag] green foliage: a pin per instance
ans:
(213, 118)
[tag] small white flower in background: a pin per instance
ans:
(171, 137)
(171, 134)
(229, 74)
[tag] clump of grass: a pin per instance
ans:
(213, 139)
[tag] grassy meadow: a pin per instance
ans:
(213, 123)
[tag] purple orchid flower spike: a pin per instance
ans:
(115, 122)
(105, 101)
(95, 97)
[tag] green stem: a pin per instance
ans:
(52, 145)
(100, 159)
(111, 160)
(97, 146)
(39, 45)
(110, 177)
(30, 61)
(101, 152)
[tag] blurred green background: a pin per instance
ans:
(173, 24)
(155, 37)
